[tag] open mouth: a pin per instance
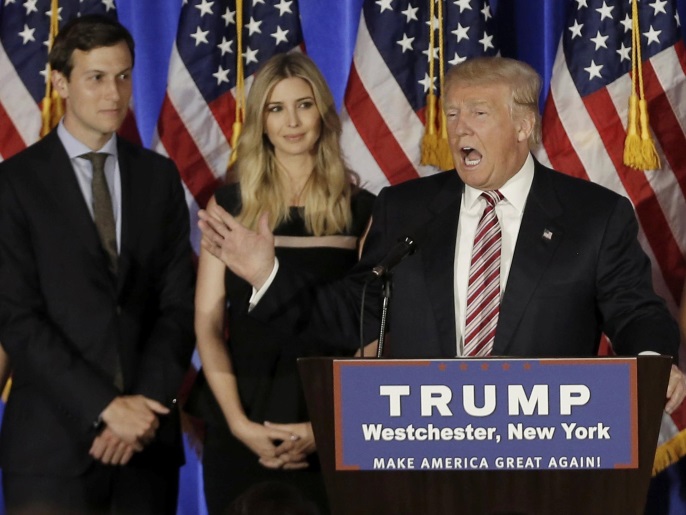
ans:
(471, 156)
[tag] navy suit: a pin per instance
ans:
(64, 317)
(586, 275)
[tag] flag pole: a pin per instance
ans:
(52, 107)
(240, 86)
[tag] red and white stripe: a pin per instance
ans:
(188, 131)
(20, 116)
(584, 137)
(483, 292)
(381, 132)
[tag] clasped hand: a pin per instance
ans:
(131, 422)
(277, 446)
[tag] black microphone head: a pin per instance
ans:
(411, 243)
(405, 247)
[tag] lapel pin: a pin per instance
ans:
(547, 234)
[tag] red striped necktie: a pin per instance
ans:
(483, 292)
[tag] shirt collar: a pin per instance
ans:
(75, 148)
(514, 190)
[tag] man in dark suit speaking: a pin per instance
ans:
(512, 258)
(96, 298)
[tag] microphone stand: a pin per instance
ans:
(386, 297)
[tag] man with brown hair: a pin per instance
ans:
(96, 305)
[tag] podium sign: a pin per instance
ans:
(494, 414)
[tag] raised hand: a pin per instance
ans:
(249, 254)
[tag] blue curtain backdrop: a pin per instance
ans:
(528, 29)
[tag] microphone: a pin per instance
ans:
(400, 250)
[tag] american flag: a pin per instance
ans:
(24, 34)
(585, 119)
(196, 120)
(385, 100)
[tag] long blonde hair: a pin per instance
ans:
(326, 196)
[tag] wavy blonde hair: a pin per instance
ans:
(326, 196)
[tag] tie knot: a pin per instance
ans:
(97, 158)
(492, 197)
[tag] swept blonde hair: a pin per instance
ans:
(326, 196)
(523, 80)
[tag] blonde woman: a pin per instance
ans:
(290, 174)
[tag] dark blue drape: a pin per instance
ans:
(528, 30)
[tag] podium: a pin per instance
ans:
(620, 490)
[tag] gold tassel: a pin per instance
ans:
(52, 108)
(669, 453)
(444, 156)
(632, 143)
(430, 138)
(639, 149)
(240, 87)
(435, 147)
(236, 129)
(650, 159)
(429, 146)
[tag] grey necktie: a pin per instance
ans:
(103, 216)
(103, 213)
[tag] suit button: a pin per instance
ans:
(118, 310)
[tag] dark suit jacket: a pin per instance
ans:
(63, 315)
(590, 276)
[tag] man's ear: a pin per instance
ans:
(60, 83)
(525, 126)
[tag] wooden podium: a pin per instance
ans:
(511, 492)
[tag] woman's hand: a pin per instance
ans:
(294, 451)
(263, 440)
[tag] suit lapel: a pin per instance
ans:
(128, 203)
(439, 260)
(64, 187)
(539, 237)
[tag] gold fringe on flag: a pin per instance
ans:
(435, 147)
(240, 86)
(430, 139)
(639, 148)
(52, 105)
(444, 157)
(669, 453)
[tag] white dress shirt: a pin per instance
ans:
(509, 213)
(83, 169)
